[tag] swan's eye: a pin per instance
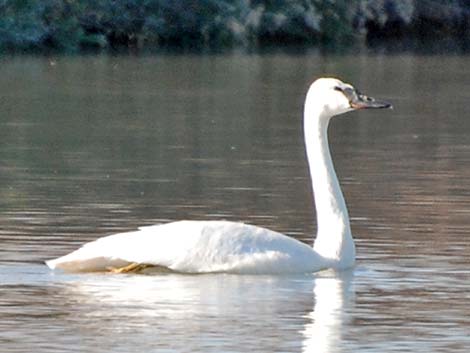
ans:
(338, 88)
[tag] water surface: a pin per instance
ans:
(91, 146)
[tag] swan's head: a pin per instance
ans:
(331, 97)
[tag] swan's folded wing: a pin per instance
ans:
(195, 247)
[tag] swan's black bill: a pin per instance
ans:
(361, 101)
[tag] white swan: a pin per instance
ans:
(220, 246)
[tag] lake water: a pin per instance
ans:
(90, 146)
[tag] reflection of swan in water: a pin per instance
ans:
(215, 313)
(332, 293)
(220, 246)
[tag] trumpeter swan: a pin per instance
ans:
(221, 246)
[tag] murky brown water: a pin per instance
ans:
(90, 146)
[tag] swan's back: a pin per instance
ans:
(196, 247)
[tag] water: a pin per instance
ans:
(91, 146)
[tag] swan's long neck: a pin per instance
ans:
(334, 241)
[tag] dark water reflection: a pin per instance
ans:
(95, 145)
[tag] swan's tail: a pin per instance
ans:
(99, 255)
(80, 261)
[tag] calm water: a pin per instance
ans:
(90, 146)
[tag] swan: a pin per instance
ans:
(230, 247)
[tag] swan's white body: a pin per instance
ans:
(196, 247)
(220, 246)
